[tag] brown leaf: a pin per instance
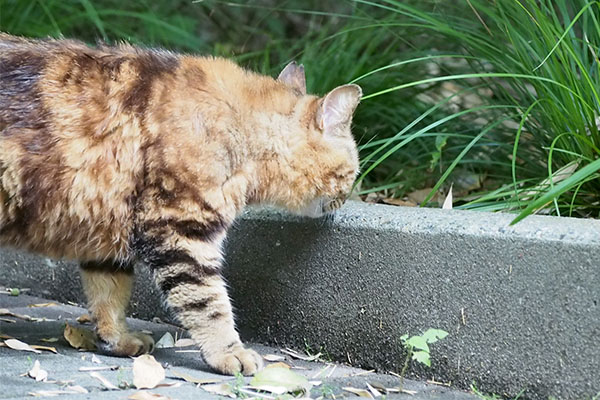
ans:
(21, 346)
(278, 365)
(147, 372)
(418, 196)
(399, 202)
(359, 392)
(80, 338)
(84, 319)
(49, 340)
(47, 348)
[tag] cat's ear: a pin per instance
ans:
(293, 76)
(338, 106)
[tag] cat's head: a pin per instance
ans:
(321, 161)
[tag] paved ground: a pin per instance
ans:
(63, 368)
(521, 303)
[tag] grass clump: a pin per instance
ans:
(499, 99)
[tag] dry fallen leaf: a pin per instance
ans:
(147, 372)
(278, 365)
(221, 389)
(373, 391)
(16, 344)
(359, 392)
(10, 321)
(37, 373)
(279, 381)
(49, 340)
(192, 379)
(7, 313)
(4, 337)
(273, 357)
(77, 389)
(448, 201)
(399, 202)
(299, 356)
(165, 342)
(84, 319)
(145, 395)
(105, 382)
(47, 348)
(185, 343)
(42, 305)
(80, 338)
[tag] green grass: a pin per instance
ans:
(499, 99)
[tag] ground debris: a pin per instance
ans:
(105, 382)
(16, 344)
(37, 373)
(147, 372)
(80, 338)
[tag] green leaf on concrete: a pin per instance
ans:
(433, 335)
(418, 342)
(276, 379)
(422, 357)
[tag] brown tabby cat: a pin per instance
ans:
(112, 155)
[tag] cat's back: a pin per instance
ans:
(71, 122)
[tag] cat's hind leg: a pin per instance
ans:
(108, 290)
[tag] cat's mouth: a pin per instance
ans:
(322, 206)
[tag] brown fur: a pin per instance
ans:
(116, 154)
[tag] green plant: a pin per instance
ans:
(499, 99)
(417, 348)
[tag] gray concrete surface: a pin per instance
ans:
(521, 303)
(64, 366)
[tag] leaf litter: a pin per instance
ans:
(145, 395)
(37, 373)
(105, 382)
(79, 338)
(16, 344)
(147, 372)
(165, 342)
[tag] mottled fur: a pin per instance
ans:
(113, 155)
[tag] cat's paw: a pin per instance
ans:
(236, 359)
(128, 344)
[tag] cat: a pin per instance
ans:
(114, 155)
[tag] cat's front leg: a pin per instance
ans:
(186, 267)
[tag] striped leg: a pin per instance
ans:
(108, 290)
(186, 267)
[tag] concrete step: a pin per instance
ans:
(64, 366)
(521, 303)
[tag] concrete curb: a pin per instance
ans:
(521, 303)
